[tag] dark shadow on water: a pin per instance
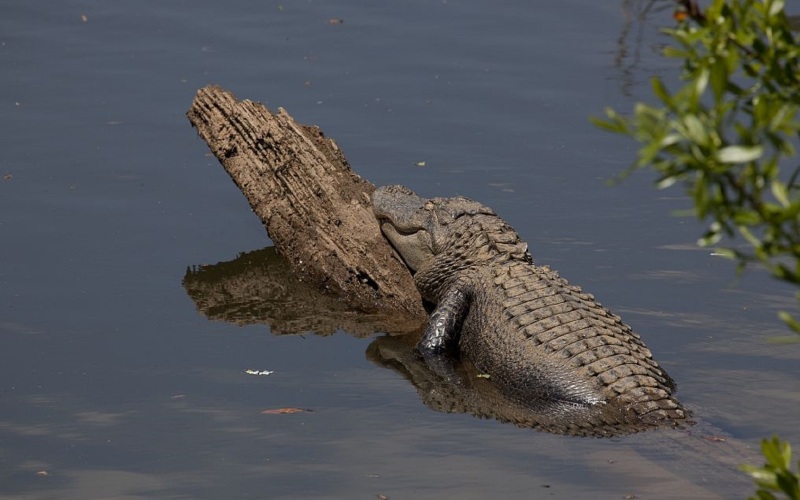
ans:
(259, 288)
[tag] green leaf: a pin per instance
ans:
(778, 454)
(739, 154)
(744, 217)
(786, 452)
(615, 124)
(666, 182)
(790, 321)
(759, 474)
(661, 92)
(669, 140)
(719, 79)
(709, 239)
(780, 192)
(700, 82)
(695, 131)
(676, 53)
(775, 7)
(750, 237)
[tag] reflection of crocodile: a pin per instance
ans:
(464, 390)
(705, 455)
(537, 337)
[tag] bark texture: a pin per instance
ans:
(316, 210)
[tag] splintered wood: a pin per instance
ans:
(317, 211)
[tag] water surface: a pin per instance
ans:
(113, 385)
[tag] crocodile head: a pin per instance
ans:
(421, 229)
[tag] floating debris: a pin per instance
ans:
(284, 411)
(262, 372)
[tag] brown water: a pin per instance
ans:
(113, 385)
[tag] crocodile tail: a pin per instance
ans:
(653, 405)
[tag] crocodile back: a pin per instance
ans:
(539, 337)
(542, 341)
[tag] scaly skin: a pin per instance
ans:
(536, 336)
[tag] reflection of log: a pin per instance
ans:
(315, 208)
(260, 288)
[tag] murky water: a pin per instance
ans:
(113, 385)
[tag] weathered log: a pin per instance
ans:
(316, 210)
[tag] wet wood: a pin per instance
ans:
(316, 210)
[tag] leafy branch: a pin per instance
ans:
(729, 133)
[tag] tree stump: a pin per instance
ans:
(316, 210)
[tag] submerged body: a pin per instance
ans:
(541, 340)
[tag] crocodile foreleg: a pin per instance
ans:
(441, 333)
(439, 343)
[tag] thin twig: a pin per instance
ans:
(693, 10)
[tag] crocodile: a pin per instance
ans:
(533, 334)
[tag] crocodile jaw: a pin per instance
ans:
(415, 248)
